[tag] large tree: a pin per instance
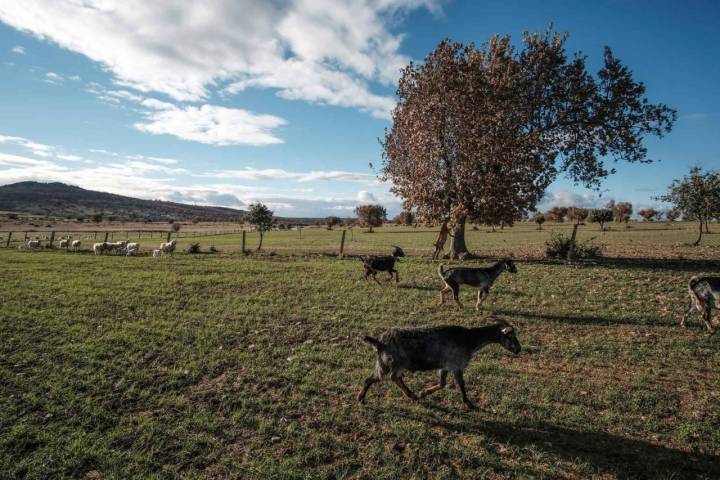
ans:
(480, 132)
(371, 216)
(697, 196)
(260, 216)
(622, 212)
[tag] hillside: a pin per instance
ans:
(61, 200)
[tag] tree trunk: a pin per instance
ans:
(707, 225)
(261, 239)
(700, 231)
(458, 248)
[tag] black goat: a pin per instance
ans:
(445, 348)
(481, 278)
(385, 263)
(704, 296)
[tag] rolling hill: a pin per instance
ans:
(61, 200)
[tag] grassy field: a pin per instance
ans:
(224, 366)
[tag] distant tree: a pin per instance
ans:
(556, 214)
(672, 214)
(696, 196)
(195, 220)
(622, 211)
(539, 218)
(261, 217)
(331, 221)
(406, 218)
(648, 214)
(371, 216)
(479, 132)
(12, 216)
(577, 214)
(97, 217)
(601, 216)
(176, 227)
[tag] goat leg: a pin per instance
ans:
(368, 383)
(435, 388)
(460, 381)
(406, 391)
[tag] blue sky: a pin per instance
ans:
(225, 103)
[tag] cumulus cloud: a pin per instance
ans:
(213, 125)
(570, 199)
(39, 149)
(282, 174)
(54, 78)
(320, 51)
(366, 197)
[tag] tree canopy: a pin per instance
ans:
(697, 196)
(480, 132)
(371, 216)
(261, 217)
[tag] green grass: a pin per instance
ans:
(223, 366)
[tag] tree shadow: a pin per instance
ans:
(645, 263)
(415, 286)
(568, 319)
(620, 456)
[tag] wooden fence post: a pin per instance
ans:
(342, 244)
(52, 237)
(95, 236)
(168, 236)
(106, 236)
(243, 243)
(25, 237)
(8, 241)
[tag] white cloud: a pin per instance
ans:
(213, 125)
(54, 78)
(39, 149)
(19, 50)
(320, 51)
(70, 158)
(366, 197)
(281, 174)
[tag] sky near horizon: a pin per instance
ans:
(229, 102)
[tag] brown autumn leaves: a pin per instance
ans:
(480, 132)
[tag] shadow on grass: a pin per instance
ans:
(414, 286)
(678, 265)
(571, 319)
(620, 456)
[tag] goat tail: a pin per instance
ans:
(441, 271)
(372, 341)
(693, 282)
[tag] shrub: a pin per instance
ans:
(559, 245)
(194, 248)
(213, 249)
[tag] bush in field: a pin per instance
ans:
(371, 216)
(577, 214)
(557, 214)
(672, 214)
(176, 227)
(406, 218)
(601, 216)
(194, 248)
(539, 218)
(622, 211)
(331, 221)
(649, 214)
(97, 217)
(559, 245)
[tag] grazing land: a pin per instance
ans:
(227, 366)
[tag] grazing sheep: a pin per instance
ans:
(76, 244)
(385, 263)
(704, 296)
(99, 248)
(445, 348)
(168, 247)
(157, 252)
(34, 243)
(64, 243)
(132, 248)
(482, 278)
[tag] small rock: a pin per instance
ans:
(251, 346)
(274, 439)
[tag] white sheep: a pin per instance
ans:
(76, 244)
(168, 247)
(99, 248)
(157, 252)
(64, 243)
(133, 248)
(34, 243)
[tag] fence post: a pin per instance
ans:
(168, 236)
(25, 237)
(342, 244)
(106, 235)
(52, 237)
(243, 243)
(9, 237)
(95, 236)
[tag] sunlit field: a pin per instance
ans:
(230, 366)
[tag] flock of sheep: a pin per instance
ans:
(122, 247)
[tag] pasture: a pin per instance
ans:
(226, 366)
